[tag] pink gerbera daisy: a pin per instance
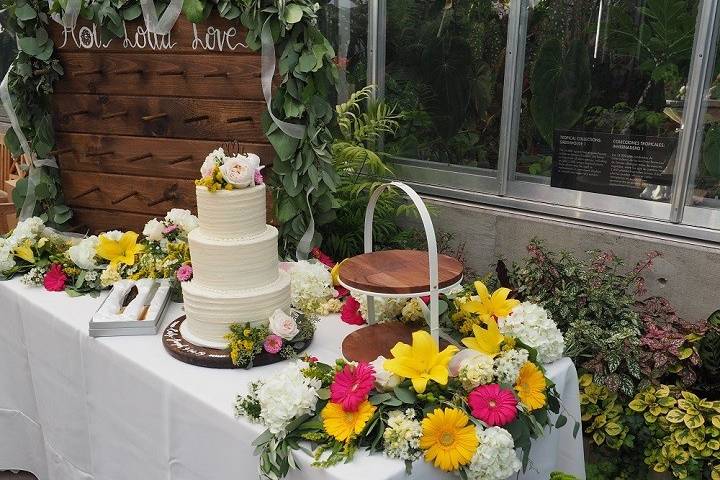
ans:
(493, 405)
(352, 385)
(273, 344)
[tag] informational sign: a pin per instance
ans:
(609, 163)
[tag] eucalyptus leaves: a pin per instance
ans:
(303, 171)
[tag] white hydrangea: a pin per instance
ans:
(402, 435)
(310, 286)
(495, 457)
(532, 325)
(286, 396)
(507, 365)
(28, 228)
(476, 370)
(386, 309)
(83, 254)
(7, 261)
(183, 219)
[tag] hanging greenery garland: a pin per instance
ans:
(304, 176)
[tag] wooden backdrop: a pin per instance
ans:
(136, 117)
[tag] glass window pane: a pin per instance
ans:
(345, 24)
(603, 94)
(705, 191)
(444, 70)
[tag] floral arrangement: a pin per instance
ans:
(464, 411)
(312, 287)
(88, 265)
(222, 172)
(284, 335)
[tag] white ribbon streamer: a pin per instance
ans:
(166, 22)
(72, 12)
(268, 72)
(28, 206)
(302, 252)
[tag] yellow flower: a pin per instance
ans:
(25, 252)
(449, 442)
(120, 251)
(342, 425)
(487, 306)
(420, 362)
(486, 340)
(335, 273)
(530, 386)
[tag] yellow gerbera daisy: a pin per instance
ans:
(449, 442)
(530, 386)
(119, 251)
(421, 362)
(488, 306)
(344, 425)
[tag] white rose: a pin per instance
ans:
(183, 219)
(83, 254)
(283, 325)
(239, 171)
(384, 380)
(154, 230)
(215, 157)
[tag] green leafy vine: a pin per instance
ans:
(303, 172)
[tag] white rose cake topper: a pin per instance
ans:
(223, 172)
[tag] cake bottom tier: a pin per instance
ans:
(209, 313)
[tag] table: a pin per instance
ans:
(74, 407)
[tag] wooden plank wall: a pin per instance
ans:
(136, 117)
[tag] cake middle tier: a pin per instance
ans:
(234, 264)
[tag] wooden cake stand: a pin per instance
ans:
(396, 273)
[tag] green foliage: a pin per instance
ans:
(560, 85)
(562, 476)
(709, 351)
(592, 301)
(711, 151)
(31, 79)
(361, 170)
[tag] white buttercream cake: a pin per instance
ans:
(235, 266)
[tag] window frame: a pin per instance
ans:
(504, 187)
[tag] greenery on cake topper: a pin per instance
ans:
(303, 170)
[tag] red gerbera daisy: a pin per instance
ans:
(352, 385)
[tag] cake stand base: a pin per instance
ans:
(187, 352)
(368, 343)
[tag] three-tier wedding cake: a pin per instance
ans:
(235, 263)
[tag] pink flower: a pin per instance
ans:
(350, 312)
(351, 385)
(55, 278)
(426, 299)
(322, 257)
(341, 292)
(493, 405)
(184, 273)
(273, 344)
(169, 229)
(258, 178)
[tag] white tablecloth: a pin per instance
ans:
(78, 408)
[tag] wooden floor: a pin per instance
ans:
(18, 476)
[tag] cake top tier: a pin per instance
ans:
(232, 214)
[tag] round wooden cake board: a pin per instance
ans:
(368, 343)
(398, 272)
(186, 352)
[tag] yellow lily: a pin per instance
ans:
(119, 251)
(420, 362)
(487, 306)
(25, 252)
(335, 273)
(487, 341)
